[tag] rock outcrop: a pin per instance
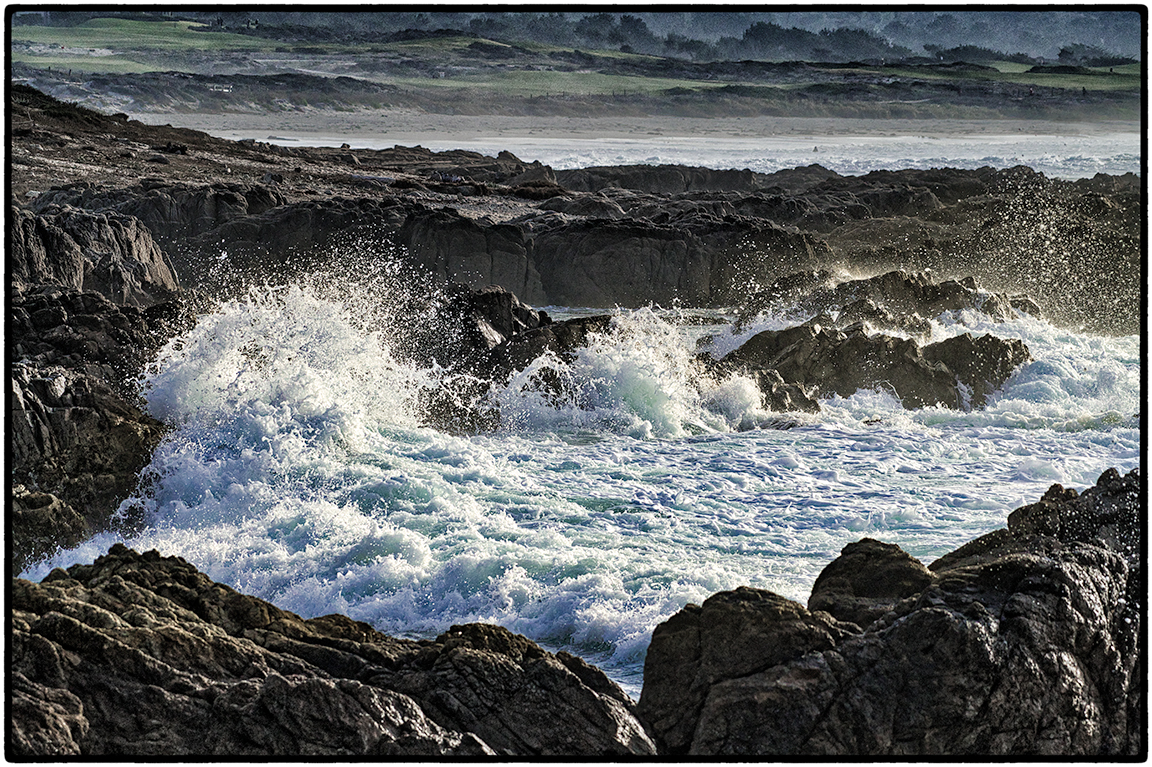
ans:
(78, 436)
(893, 300)
(106, 253)
(961, 372)
(138, 655)
(1024, 642)
(1073, 246)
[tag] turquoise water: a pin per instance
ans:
(297, 470)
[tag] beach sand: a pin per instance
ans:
(407, 127)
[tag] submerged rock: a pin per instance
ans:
(1024, 642)
(140, 655)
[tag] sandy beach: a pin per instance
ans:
(407, 126)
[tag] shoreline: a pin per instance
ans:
(407, 125)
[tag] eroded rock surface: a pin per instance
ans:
(78, 435)
(105, 253)
(1023, 642)
(960, 372)
(142, 655)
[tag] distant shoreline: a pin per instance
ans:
(410, 126)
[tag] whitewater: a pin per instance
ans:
(1068, 156)
(297, 468)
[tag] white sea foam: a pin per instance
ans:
(1056, 156)
(297, 471)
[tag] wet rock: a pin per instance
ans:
(1022, 643)
(558, 338)
(78, 435)
(897, 299)
(77, 447)
(981, 364)
(959, 373)
(89, 333)
(734, 634)
(458, 249)
(466, 323)
(1106, 515)
(142, 655)
(635, 262)
(867, 311)
(778, 395)
(41, 524)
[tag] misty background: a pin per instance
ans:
(1073, 37)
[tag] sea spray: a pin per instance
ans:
(298, 470)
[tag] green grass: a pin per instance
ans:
(90, 64)
(1120, 81)
(537, 83)
(126, 34)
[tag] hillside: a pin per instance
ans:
(184, 67)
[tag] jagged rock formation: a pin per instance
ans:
(594, 237)
(960, 372)
(142, 655)
(1022, 642)
(893, 300)
(78, 436)
(100, 252)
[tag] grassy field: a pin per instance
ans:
(528, 84)
(128, 35)
(87, 64)
(474, 76)
(1124, 78)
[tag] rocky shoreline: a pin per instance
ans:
(121, 233)
(1024, 642)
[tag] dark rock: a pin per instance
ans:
(78, 436)
(103, 252)
(88, 333)
(981, 364)
(1019, 644)
(457, 249)
(778, 395)
(41, 523)
(141, 655)
(866, 581)
(878, 317)
(734, 634)
(657, 179)
(898, 300)
(78, 448)
(1106, 515)
(707, 262)
(536, 172)
(559, 338)
(538, 189)
(828, 361)
(466, 323)
(587, 206)
(173, 212)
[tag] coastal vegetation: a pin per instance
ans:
(605, 64)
